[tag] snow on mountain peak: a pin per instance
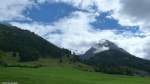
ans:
(103, 48)
(104, 45)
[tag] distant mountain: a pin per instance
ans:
(103, 45)
(28, 45)
(107, 57)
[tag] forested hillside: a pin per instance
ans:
(27, 45)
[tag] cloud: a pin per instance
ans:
(13, 9)
(133, 12)
(127, 12)
(91, 5)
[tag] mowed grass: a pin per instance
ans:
(64, 75)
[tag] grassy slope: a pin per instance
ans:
(64, 75)
(54, 72)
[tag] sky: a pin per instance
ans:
(79, 24)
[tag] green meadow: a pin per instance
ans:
(63, 75)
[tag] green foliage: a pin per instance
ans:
(8, 58)
(75, 58)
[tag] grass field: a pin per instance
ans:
(63, 75)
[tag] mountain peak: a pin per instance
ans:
(101, 46)
(104, 45)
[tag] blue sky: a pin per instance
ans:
(78, 24)
(49, 13)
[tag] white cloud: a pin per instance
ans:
(127, 12)
(13, 9)
(133, 12)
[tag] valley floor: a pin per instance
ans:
(63, 75)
